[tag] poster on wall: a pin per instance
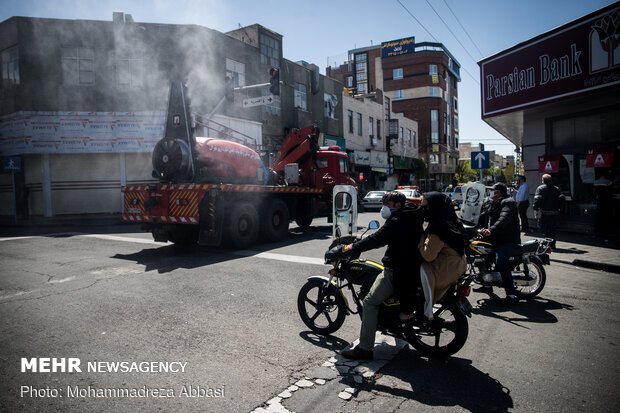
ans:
(80, 132)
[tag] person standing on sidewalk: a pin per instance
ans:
(523, 202)
(547, 202)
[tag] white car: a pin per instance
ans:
(456, 194)
(372, 200)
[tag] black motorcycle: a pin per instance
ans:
(526, 264)
(323, 305)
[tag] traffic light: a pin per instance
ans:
(274, 81)
(229, 89)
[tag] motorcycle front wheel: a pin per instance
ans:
(535, 283)
(447, 333)
(321, 307)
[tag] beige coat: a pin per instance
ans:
(443, 265)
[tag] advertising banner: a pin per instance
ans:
(549, 164)
(398, 47)
(600, 158)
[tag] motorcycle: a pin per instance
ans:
(323, 305)
(526, 264)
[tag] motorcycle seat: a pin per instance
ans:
(526, 247)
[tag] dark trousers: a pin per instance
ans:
(523, 206)
(406, 281)
(546, 224)
(502, 255)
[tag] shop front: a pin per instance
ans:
(557, 96)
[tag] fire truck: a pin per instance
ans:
(218, 192)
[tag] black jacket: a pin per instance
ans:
(503, 218)
(401, 232)
(548, 198)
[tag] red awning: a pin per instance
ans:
(549, 163)
(599, 158)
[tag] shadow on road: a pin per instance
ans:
(537, 310)
(328, 342)
(445, 382)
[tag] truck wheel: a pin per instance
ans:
(304, 222)
(242, 225)
(274, 223)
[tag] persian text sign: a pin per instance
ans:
(398, 47)
(577, 58)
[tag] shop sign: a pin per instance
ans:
(398, 47)
(378, 159)
(578, 57)
(599, 158)
(401, 163)
(361, 158)
(334, 141)
(549, 164)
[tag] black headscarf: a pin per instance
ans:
(443, 222)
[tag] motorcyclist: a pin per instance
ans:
(401, 233)
(504, 234)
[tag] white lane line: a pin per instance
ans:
(117, 238)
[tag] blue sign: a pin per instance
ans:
(398, 47)
(480, 160)
(12, 164)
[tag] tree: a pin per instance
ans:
(464, 173)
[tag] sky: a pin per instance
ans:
(322, 32)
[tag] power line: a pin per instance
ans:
(462, 27)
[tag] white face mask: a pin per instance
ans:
(385, 212)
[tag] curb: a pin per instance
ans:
(601, 266)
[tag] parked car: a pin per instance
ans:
(372, 200)
(455, 193)
(412, 194)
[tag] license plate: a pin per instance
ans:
(463, 304)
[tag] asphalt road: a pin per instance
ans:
(230, 319)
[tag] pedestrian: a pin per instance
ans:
(523, 202)
(547, 202)
(400, 232)
(503, 232)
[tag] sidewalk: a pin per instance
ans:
(582, 250)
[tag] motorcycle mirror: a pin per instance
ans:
(374, 224)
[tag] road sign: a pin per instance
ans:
(480, 160)
(12, 164)
(261, 100)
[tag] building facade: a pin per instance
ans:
(557, 97)
(420, 82)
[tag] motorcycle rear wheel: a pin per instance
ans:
(321, 307)
(447, 334)
(537, 272)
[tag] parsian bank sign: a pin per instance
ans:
(579, 57)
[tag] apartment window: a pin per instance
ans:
(360, 67)
(236, 71)
(361, 87)
(269, 51)
(434, 92)
(456, 106)
(361, 57)
(350, 117)
(360, 77)
(10, 67)
(300, 96)
(359, 124)
(400, 133)
(433, 158)
(432, 70)
(78, 66)
(415, 139)
(397, 74)
(349, 81)
(434, 126)
(371, 123)
(130, 70)
(398, 94)
(409, 141)
(378, 128)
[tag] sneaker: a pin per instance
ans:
(357, 353)
(484, 289)
(509, 301)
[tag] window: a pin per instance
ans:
(130, 70)
(329, 105)
(434, 92)
(360, 67)
(456, 123)
(398, 94)
(445, 123)
(359, 124)
(300, 96)
(236, 71)
(397, 74)
(350, 117)
(371, 123)
(361, 87)
(400, 133)
(343, 166)
(360, 77)
(415, 139)
(409, 141)
(269, 51)
(432, 69)
(349, 81)
(10, 67)
(433, 158)
(78, 66)
(378, 129)
(361, 57)
(456, 106)
(434, 126)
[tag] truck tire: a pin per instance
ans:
(304, 222)
(275, 220)
(241, 229)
